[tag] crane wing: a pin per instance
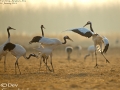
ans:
(106, 44)
(49, 41)
(35, 39)
(46, 41)
(82, 31)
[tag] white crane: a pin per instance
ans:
(97, 39)
(2, 52)
(45, 53)
(91, 51)
(17, 51)
(48, 45)
(68, 50)
(42, 56)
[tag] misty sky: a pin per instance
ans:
(58, 15)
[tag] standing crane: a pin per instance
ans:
(97, 39)
(91, 51)
(42, 56)
(48, 45)
(17, 51)
(2, 52)
(68, 50)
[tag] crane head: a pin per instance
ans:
(10, 28)
(67, 37)
(87, 23)
(42, 26)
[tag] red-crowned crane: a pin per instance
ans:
(97, 39)
(48, 45)
(42, 56)
(17, 51)
(91, 51)
(68, 50)
(2, 52)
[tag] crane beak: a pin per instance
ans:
(85, 25)
(13, 29)
(43, 27)
(70, 39)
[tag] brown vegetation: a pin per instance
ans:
(74, 75)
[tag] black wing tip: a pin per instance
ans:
(87, 34)
(35, 39)
(106, 48)
(9, 46)
(33, 42)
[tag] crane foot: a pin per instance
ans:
(96, 66)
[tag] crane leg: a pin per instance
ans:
(92, 56)
(96, 60)
(107, 61)
(18, 67)
(15, 67)
(16, 63)
(40, 63)
(68, 57)
(45, 61)
(5, 63)
(51, 62)
(46, 64)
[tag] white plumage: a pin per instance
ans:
(106, 44)
(17, 51)
(48, 46)
(97, 39)
(2, 52)
(45, 53)
(91, 51)
(50, 41)
(105, 40)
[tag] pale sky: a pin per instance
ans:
(40, 4)
(58, 15)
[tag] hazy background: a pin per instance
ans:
(59, 15)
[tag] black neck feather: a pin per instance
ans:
(33, 55)
(64, 41)
(8, 33)
(91, 27)
(42, 31)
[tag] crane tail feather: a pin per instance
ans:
(106, 48)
